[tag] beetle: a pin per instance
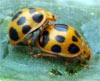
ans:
(27, 21)
(63, 40)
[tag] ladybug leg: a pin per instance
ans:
(43, 25)
(29, 43)
(25, 41)
(69, 61)
(46, 24)
(85, 65)
(46, 55)
(83, 62)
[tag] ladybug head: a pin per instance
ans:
(50, 16)
(87, 51)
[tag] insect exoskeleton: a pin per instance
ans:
(27, 21)
(62, 40)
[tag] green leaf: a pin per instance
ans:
(16, 64)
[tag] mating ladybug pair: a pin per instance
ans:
(54, 39)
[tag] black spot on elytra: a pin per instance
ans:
(37, 17)
(74, 39)
(26, 29)
(61, 27)
(21, 20)
(32, 11)
(44, 38)
(13, 34)
(60, 38)
(73, 49)
(77, 34)
(56, 48)
(16, 15)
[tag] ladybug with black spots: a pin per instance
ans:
(63, 40)
(27, 21)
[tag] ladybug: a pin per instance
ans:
(62, 40)
(27, 21)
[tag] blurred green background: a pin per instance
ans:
(17, 65)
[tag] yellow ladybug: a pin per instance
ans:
(27, 21)
(62, 40)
